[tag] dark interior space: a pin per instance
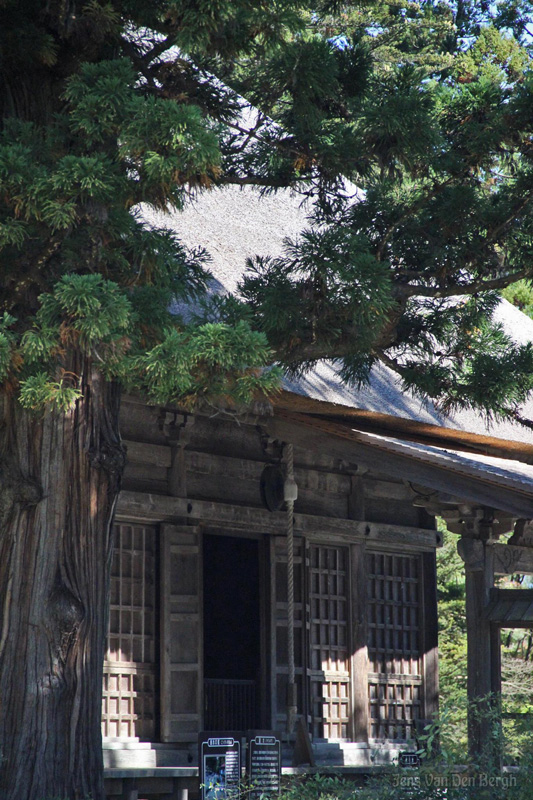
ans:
(232, 640)
(231, 608)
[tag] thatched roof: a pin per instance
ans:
(235, 223)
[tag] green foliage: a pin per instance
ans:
(425, 106)
(452, 647)
(318, 787)
(494, 56)
(418, 33)
(520, 294)
(212, 361)
(38, 391)
(215, 362)
(7, 340)
(83, 311)
(79, 269)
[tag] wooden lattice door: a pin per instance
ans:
(279, 629)
(329, 642)
(181, 634)
(130, 660)
(395, 660)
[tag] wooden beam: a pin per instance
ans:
(137, 506)
(353, 447)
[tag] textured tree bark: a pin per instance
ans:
(59, 480)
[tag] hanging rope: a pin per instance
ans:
(290, 494)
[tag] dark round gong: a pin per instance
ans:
(272, 483)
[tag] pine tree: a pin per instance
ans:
(111, 104)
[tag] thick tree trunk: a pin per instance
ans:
(59, 480)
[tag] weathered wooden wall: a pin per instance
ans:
(223, 461)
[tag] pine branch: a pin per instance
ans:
(159, 48)
(525, 421)
(458, 288)
(252, 180)
(279, 144)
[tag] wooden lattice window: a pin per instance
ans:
(130, 660)
(394, 649)
(329, 642)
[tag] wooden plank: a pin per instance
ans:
(359, 643)
(381, 511)
(212, 465)
(386, 490)
(144, 485)
(226, 438)
(149, 473)
(511, 608)
(343, 443)
(155, 455)
(139, 422)
(160, 508)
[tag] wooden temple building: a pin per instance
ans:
(276, 568)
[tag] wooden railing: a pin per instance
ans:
(230, 705)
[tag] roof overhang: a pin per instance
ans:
(406, 429)
(490, 482)
(511, 608)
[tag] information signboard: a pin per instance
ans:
(220, 765)
(264, 764)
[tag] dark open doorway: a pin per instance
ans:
(232, 633)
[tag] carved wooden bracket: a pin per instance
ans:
(272, 448)
(472, 551)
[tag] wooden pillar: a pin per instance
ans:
(359, 643)
(482, 652)
(430, 637)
